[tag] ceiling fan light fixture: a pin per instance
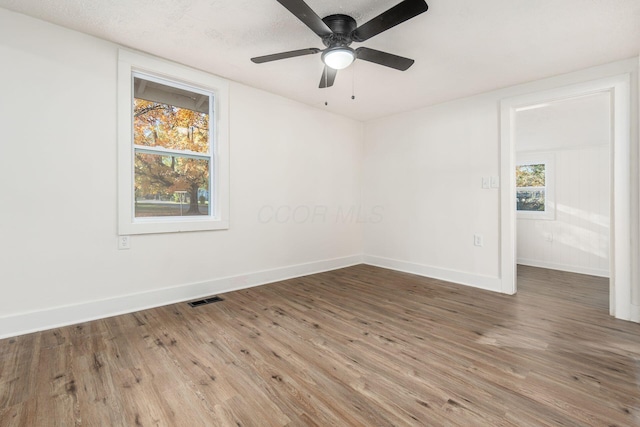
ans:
(338, 57)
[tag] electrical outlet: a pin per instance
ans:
(124, 242)
(478, 240)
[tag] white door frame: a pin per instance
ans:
(620, 253)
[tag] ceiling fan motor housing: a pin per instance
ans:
(342, 26)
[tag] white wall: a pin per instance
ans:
(424, 169)
(577, 239)
(58, 225)
(575, 133)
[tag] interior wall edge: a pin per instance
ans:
(35, 321)
(563, 267)
(487, 283)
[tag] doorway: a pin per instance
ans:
(617, 89)
(563, 219)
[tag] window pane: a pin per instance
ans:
(171, 186)
(532, 200)
(169, 117)
(530, 175)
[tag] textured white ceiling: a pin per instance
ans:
(461, 47)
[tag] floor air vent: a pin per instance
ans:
(205, 301)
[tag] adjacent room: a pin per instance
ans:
(315, 213)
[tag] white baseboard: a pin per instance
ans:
(23, 323)
(563, 267)
(475, 280)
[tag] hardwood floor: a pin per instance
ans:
(361, 346)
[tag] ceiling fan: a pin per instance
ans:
(339, 31)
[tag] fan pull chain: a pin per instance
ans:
(353, 82)
(325, 82)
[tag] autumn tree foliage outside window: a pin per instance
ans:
(171, 132)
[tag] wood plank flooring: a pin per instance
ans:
(361, 346)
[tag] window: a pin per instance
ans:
(534, 189)
(173, 147)
(531, 187)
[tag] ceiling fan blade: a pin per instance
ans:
(383, 58)
(328, 77)
(304, 13)
(285, 55)
(399, 13)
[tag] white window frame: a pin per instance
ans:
(130, 64)
(548, 160)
